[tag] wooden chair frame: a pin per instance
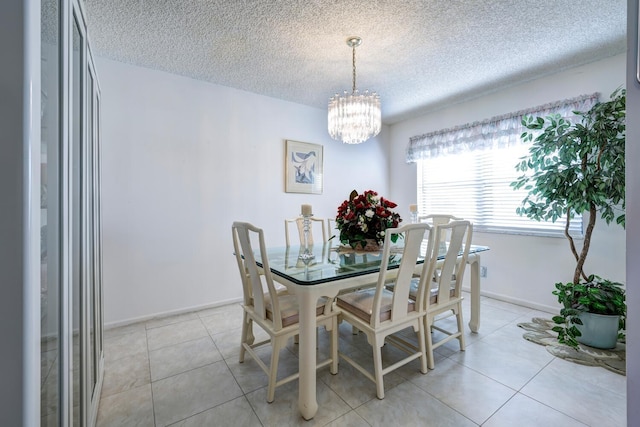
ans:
(266, 308)
(446, 294)
(300, 227)
(378, 330)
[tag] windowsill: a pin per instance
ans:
(529, 233)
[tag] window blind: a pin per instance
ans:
(467, 172)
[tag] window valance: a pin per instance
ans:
(496, 132)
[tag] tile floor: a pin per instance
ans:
(184, 371)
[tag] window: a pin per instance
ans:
(466, 171)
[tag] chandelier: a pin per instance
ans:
(354, 118)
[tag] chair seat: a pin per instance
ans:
(289, 308)
(360, 303)
(413, 291)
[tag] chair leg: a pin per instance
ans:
(423, 347)
(244, 338)
(273, 371)
(377, 367)
(460, 326)
(429, 343)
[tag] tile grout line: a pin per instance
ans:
(542, 403)
(224, 359)
(153, 402)
(244, 395)
(499, 408)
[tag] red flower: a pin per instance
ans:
(382, 212)
(387, 203)
(365, 216)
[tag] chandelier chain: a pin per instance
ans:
(354, 69)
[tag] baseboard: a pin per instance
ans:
(130, 321)
(500, 297)
(517, 301)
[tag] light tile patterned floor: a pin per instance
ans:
(184, 371)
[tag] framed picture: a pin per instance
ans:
(303, 167)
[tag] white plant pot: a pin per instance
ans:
(598, 330)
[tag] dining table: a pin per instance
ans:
(324, 270)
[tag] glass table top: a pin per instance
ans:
(330, 262)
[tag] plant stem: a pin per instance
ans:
(572, 244)
(586, 244)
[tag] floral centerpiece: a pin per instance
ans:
(363, 219)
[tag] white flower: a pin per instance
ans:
(369, 213)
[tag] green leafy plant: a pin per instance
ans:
(571, 169)
(576, 168)
(596, 296)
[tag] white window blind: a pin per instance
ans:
(468, 171)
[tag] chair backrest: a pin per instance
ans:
(438, 219)
(332, 230)
(299, 222)
(450, 271)
(413, 236)
(252, 285)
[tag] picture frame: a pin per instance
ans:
(303, 164)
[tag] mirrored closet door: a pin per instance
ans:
(50, 216)
(72, 357)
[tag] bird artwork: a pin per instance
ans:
(305, 166)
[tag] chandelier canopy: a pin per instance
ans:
(355, 117)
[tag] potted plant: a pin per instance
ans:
(592, 313)
(577, 169)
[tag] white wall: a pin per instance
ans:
(183, 159)
(522, 269)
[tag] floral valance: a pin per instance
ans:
(496, 132)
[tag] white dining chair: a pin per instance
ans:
(379, 313)
(299, 224)
(276, 312)
(445, 295)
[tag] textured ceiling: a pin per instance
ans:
(419, 55)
